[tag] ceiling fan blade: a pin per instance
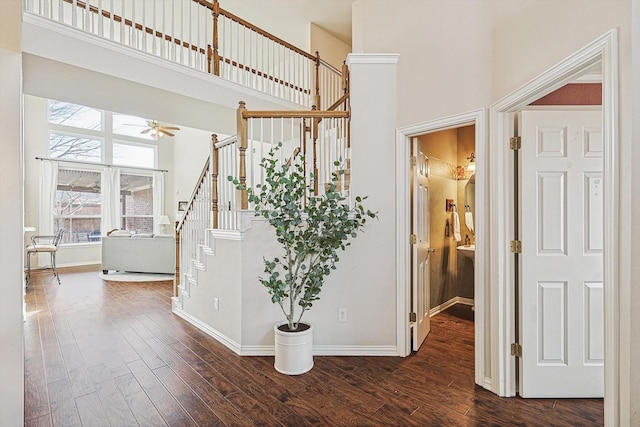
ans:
(145, 131)
(170, 127)
(167, 132)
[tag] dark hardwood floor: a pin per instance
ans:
(111, 353)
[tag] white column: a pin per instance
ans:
(11, 218)
(373, 94)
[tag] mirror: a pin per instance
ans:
(470, 195)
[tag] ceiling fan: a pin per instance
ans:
(156, 130)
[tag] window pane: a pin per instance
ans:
(73, 147)
(78, 205)
(137, 194)
(142, 156)
(77, 229)
(67, 114)
(131, 126)
(136, 203)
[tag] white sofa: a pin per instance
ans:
(141, 254)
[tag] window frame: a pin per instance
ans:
(57, 217)
(107, 138)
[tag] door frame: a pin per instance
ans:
(604, 49)
(403, 230)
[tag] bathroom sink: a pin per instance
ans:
(467, 251)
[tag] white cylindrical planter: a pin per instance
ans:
(294, 351)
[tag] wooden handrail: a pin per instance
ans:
(211, 51)
(336, 104)
(250, 26)
(194, 194)
(256, 114)
(137, 26)
(227, 141)
(261, 74)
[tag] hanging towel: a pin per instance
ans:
(468, 220)
(455, 219)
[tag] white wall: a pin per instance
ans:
(331, 50)
(445, 51)
(191, 147)
(11, 221)
(458, 55)
(631, 329)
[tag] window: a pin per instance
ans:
(78, 205)
(92, 136)
(136, 203)
(75, 147)
(131, 126)
(73, 115)
(138, 155)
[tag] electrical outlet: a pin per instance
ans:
(342, 315)
(216, 304)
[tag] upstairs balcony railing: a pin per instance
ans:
(201, 35)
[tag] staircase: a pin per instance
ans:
(218, 229)
(217, 210)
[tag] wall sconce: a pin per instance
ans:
(471, 167)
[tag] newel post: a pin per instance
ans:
(216, 56)
(345, 77)
(176, 279)
(242, 148)
(214, 181)
(314, 139)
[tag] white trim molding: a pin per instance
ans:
(372, 58)
(604, 51)
(269, 350)
(221, 338)
(403, 229)
(453, 301)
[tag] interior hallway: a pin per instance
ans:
(112, 353)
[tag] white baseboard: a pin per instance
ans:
(487, 383)
(59, 266)
(327, 350)
(268, 350)
(355, 350)
(453, 301)
(221, 338)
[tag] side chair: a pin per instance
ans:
(48, 244)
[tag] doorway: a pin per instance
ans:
(560, 261)
(404, 139)
(598, 53)
(443, 232)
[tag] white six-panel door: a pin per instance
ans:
(562, 308)
(421, 249)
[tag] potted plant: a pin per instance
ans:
(312, 230)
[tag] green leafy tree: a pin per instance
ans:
(312, 230)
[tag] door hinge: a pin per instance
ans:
(515, 142)
(516, 349)
(516, 246)
(412, 317)
(413, 160)
(413, 239)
